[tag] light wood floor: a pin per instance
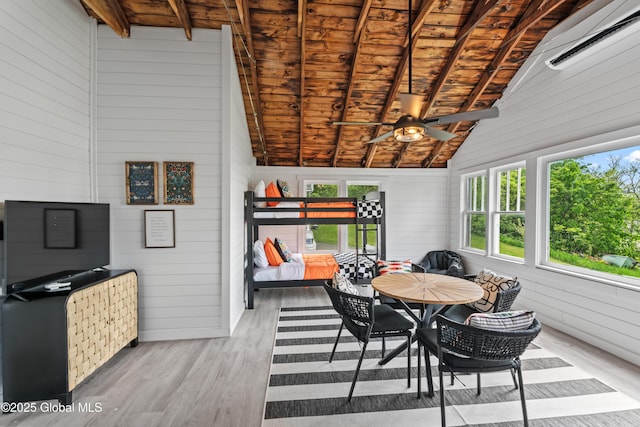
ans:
(221, 382)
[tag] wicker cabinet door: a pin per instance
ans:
(123, 310)
(87, 332)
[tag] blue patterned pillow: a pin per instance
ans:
(283, 250)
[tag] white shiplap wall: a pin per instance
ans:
(44, 101)
(160, 99)
(237, 169)
(416, 208)
(546, 111)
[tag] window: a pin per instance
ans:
(326, 236)
(510, 212)
(340, 238)
(475, 215)
(593, 211)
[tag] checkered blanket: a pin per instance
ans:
(353, 268)
(369, 209)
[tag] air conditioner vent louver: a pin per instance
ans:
(563, 59)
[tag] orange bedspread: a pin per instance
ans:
(330, 214)
(319, 266)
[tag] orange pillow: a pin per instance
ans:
(273, 256)
(272, 191)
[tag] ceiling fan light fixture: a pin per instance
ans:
(409, 133)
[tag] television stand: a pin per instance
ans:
(54, 340)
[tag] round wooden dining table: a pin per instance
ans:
(434, 291)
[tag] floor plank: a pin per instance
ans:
(222, 381)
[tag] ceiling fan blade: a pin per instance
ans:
(466, 116)
(410, 104)
(381, 137)
(363, 123)
(442, 135)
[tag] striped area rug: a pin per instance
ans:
(306, 390)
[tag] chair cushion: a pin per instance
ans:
(386, 319)
(459, 312)
(492, 283)
(386, 267)
(502, 321)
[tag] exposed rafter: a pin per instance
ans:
(181, 11)
(302, 7)
(354, 61)
(426, 7)
(304, 65)
(536, 11)
(479, 13)
(112, 14)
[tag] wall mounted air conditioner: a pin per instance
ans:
(597, 40)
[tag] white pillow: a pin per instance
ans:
(260, 191)
(492, 283)
(259, 255)
(343, 284)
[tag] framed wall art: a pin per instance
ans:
(159, 229)
(142, 183)
(178, 183)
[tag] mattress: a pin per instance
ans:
(301, 267)
(349, 210)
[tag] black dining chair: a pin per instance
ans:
(366, 320)
(468, 349)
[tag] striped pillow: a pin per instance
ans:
(502, 321)
(385, 267)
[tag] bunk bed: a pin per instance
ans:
(367, 215)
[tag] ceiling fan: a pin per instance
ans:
(410, 127)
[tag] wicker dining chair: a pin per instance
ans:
(462, 348)
(367, 320)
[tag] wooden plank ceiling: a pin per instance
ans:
(305, 64)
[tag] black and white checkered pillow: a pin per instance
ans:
(369, 209)
(352, 268)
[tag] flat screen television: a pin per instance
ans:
(52, 240)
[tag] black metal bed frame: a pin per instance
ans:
(253, 224)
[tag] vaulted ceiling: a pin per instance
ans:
(308, 63)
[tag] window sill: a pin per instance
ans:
(622, 282)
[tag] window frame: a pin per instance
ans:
(343, 188)
(465, 242)
(496, 210)
(543, 224)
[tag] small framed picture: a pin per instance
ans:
(159, 229)
(178, 183)
(142, 183)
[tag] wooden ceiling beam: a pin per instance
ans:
(480, 11)
(253, 75)
(534, 13)
(181, 11)
(426, 8)
(241, 6)
(302, 7)
(352, 76)
(112, 14)
(362, 19)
